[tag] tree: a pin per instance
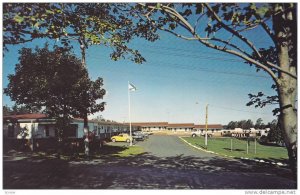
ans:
(249, 124)
(112, 25)
(55, 81)
(244, 124)
(19, 109)
(6, 110)
(275, 134)
(232, 125)
(258, 124)
(226, 26)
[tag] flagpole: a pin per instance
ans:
(129, 115)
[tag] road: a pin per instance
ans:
(167, 164)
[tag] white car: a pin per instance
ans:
(201, 133)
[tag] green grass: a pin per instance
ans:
(130, 151)
(222, 146)
(121, 151)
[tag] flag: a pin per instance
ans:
(131, 87)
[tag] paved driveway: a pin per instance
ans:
(167, 146)
(168, 164)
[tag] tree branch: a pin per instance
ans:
(266, 28)
(234, 32)
(242, 55)
(178, 35)
(231, 45)
(248, 59)
(195, 26)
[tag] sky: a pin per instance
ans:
(177, 81)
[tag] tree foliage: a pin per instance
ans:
(244, 124)
(112, 25)
(19, 109)
(55, 81)
(275, 134)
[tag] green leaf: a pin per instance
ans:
(253, 6)
(262, 10)
(199, 8)
(18, 19)
(36, 25)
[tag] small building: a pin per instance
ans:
(26, 126)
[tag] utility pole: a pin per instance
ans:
(206, 117)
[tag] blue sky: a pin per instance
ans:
(179, 78)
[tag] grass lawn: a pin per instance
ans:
(130, 151)
(121, 151)
(239, 148)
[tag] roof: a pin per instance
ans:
(150, 124)
(36, 116)
(189, 125)
(210, 126)
(26, 116)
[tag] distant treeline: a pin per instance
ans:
(275, 135)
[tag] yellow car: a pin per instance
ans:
(123, 137)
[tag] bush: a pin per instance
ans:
(263, 139)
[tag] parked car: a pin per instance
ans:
(138, 135)
(123, 137)
(199, 133)
(146, 135)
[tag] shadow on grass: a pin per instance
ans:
(237, 150)
(111, 150)
(142, 171)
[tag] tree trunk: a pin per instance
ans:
(285, 28)
(288, 123)
(85, 118)
(86, 139)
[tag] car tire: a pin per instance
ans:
(193, 135)
(113, 140)
(128, 140)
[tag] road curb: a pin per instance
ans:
(243, 158)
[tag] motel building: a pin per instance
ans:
(42, 128)
(178, 128)
(39, 126)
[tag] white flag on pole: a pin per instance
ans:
(131, 87)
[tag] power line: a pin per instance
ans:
(184, 50)
(170, 75)
(197, 68)
(238, 110)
